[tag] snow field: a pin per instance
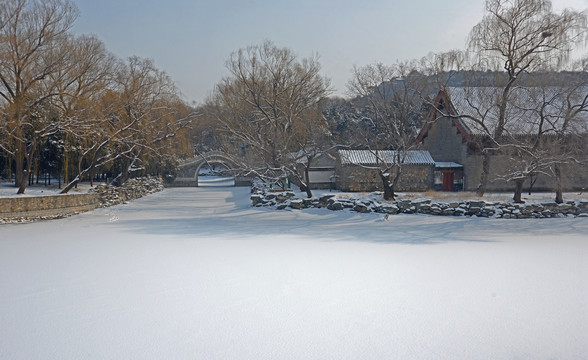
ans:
(198, 273)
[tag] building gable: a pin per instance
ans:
(443, 108)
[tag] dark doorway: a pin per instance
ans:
(448, 180)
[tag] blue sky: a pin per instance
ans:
(191, 40)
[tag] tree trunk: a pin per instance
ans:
(71, 185)
(532, 181)
(518, 191)
(80, 175)
(558, 186)
(9, 168)
(484, 175)
(28, 171)
(123, 176)
(23, 183)
(19, 175)
(307, 180)
(36, 171)
(65, 168)
(120, 179)
(306, 189)
(388, 189)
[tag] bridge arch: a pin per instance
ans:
(188, 172)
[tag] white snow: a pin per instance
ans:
(211, 180)
(7, 189)
(196, 273)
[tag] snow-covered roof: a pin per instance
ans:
(319, 157)
(371, 157)
(522, 111)
(447, 164)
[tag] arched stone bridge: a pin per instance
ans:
(188, 171)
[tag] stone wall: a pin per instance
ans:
(574, 176)
(47, 207)
(28, 208)
(355, 178)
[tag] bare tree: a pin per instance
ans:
(69, 89)
(390, 103)
(115, 111)
(314, 141)
(147, 113)
(568, 115)
(553, 134)
(528, 142)
(30, 51)
(79, 85)
(521, 36)
(267, 109)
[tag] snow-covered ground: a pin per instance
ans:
(215, 180)
(196, 273)
(7, 189)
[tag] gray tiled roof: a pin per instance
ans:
(522, 111)
(370, 157)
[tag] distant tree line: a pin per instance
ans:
(70, 109)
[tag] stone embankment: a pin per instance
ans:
(130, 190)
(479, 208)
(25, 209)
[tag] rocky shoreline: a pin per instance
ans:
(130, 190)
(478, 208)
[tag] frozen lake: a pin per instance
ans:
(196, 273)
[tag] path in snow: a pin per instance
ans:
(197, 273)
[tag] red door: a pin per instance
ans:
(448, 180)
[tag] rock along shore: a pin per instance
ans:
(479, 208)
